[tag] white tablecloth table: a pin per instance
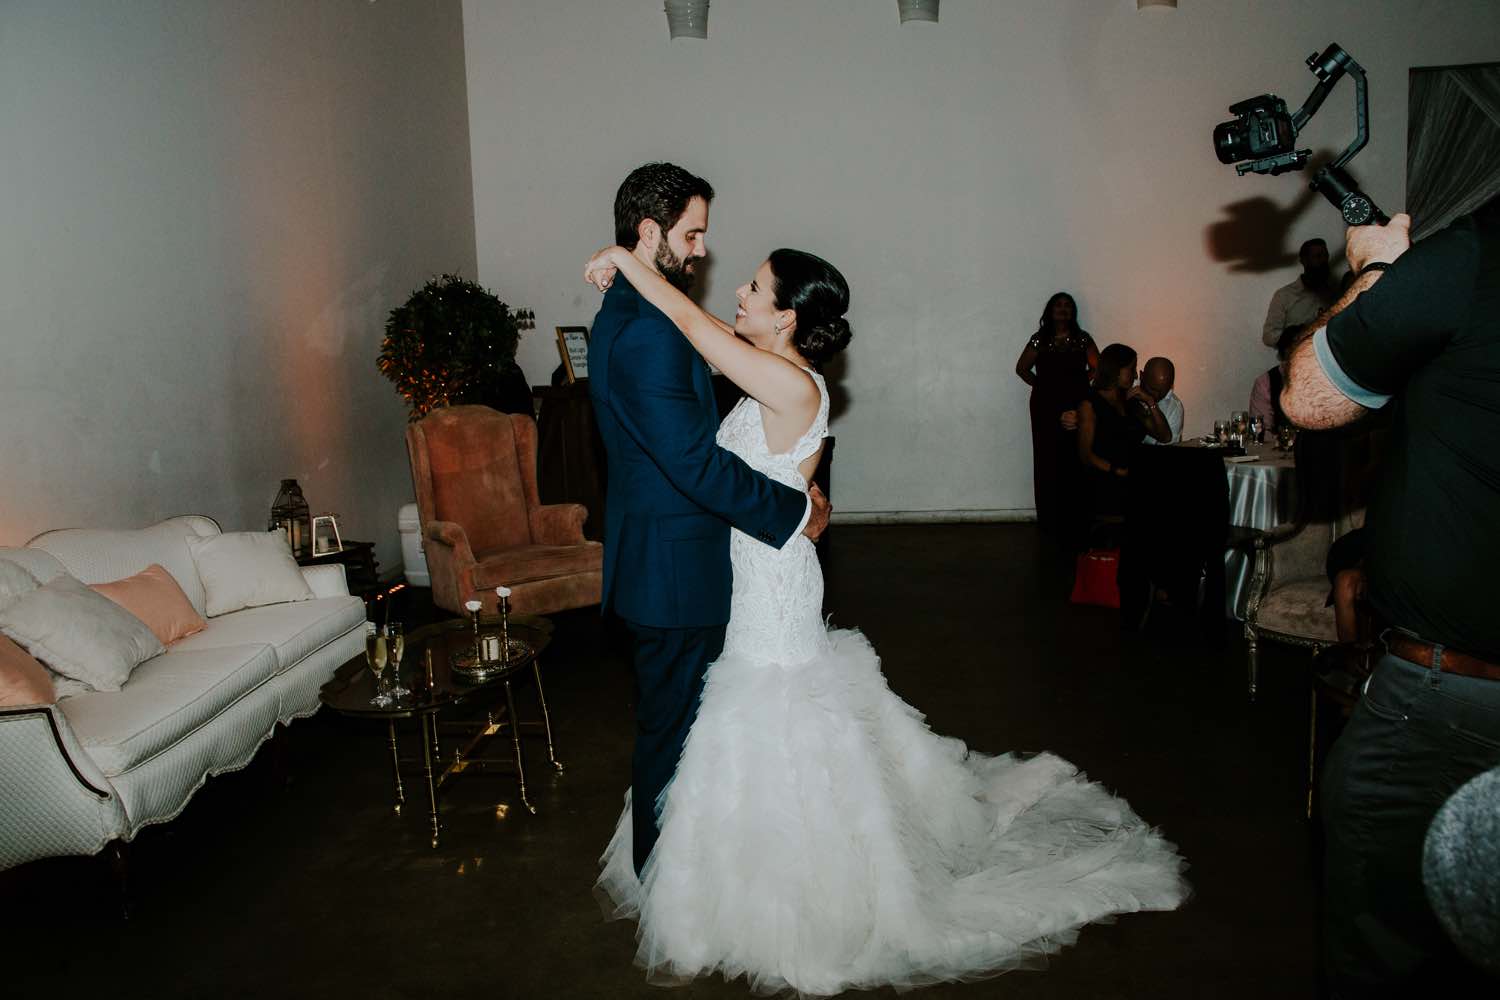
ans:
(1262, 495)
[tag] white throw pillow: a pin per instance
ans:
(247, 569)
(14, 582)
(79, 633)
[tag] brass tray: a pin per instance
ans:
(468, 668)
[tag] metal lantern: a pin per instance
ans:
(290, 516)
(918, 10)
(687, 18)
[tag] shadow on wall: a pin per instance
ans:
(1254, 235)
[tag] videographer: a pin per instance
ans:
(1419, 330)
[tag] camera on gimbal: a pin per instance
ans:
(1262, 138)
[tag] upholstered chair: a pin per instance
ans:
(1289, 604)
(482, 523)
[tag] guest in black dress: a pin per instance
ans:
(1112, 420)
(1058, 362)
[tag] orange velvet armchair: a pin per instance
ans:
(483, 525)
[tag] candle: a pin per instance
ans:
(502, 591)
(473, 606)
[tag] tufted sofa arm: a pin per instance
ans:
(558, 523)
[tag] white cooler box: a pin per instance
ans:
(411, 547)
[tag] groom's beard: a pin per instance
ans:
(679, 272)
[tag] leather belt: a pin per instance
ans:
(1451, 661)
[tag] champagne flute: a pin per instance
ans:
(395, 645)
(376, 656)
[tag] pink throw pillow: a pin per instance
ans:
(153, 596)
(23, 680)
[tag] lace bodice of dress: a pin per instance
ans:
(776, 612)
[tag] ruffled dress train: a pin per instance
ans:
(818, 836)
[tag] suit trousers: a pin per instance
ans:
(670, 664)
(1415, 737)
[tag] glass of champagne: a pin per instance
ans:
(395, 646)
(376, 657)
(1221, 432)
(1239, 422)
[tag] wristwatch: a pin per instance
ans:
(1374, 265)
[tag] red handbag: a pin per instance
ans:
(1097, 578)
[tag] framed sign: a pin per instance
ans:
(573, 345)
(325, 532)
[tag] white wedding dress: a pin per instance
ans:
(818, 836)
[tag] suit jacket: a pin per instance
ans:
(673, 493)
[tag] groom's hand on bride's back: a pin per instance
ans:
(818, 519)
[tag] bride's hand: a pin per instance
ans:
(600, 270)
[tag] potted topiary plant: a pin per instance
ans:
(454, 342)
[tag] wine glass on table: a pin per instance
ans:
(376, 658)
(395, 646)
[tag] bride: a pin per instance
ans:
(817, 835)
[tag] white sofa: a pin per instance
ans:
(99, 766)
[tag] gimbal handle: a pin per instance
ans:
(1353, 204)
(1331, 181)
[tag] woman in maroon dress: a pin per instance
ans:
(1058, 363)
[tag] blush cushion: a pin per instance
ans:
(154, 596)
(79, 634)
(23, 681)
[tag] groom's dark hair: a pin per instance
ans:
(659, 191)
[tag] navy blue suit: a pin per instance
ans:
(673, 495)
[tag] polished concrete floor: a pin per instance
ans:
(311, 887)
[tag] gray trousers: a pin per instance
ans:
(1414, 738)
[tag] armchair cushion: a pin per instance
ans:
(1298, 609)
(508, 567)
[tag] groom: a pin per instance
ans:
(673, 493)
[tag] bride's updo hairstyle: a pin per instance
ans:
(816, 291)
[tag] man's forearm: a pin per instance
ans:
(1309, 399)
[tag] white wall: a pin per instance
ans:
(957, 173)
(206, 212)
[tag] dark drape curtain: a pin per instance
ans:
(1452, 143)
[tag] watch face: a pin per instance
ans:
(1357, 210)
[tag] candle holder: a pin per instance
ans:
(503, 593)
(472, 607)
(492, 656)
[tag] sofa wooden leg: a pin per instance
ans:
(117, 854)
(1252, 659)
(281, 757)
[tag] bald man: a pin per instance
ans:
(1158, 378)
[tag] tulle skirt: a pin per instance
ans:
(819, 837)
